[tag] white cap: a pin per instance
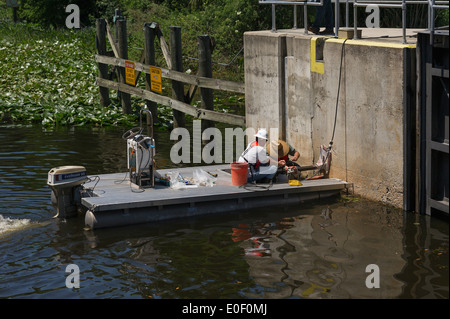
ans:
(262, 133)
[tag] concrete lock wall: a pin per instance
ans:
(292, 83)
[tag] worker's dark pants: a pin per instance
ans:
(324, 13)
(261, 173)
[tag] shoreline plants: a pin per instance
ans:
(48, 71)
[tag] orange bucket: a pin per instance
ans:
(239, 173)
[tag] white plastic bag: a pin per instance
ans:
(202, 178)
(175, 180)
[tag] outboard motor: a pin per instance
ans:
(65, 182)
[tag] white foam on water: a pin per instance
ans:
(11, 224)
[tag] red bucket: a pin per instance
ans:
(239, 173)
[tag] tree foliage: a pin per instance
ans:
(253, 15)
(53, 12)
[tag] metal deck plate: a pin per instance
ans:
(115, 193)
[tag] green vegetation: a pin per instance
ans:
(48, 77)
(48, 71)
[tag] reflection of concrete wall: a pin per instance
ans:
(323, 257)
(287, 88)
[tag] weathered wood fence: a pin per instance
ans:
(180, 101)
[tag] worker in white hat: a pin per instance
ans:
(262, 135)
(255, 155)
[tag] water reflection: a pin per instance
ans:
(325, 255)
(178, 260)
(315, 250)
(425, 272)
(320, 251)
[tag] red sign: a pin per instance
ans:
(129, 72)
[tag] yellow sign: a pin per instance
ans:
(155, 79)
(129, 73)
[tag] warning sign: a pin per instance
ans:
(129, 72)
(155, 79)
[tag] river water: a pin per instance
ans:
(316, 250)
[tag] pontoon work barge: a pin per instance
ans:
(114, 201)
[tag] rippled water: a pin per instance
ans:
(317, 250)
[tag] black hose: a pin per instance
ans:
(337, 98)
(336, 111)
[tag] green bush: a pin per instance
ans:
(44, 12)
(48, 77)
(52, 13)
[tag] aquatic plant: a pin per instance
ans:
(48, 77)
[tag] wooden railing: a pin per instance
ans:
(180, 100)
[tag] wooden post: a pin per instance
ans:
(102, 68)
(117, 16)
(179, 119)
(149, 49)
(123, 53)
(205, 70)
(14, 14)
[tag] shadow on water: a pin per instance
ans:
(315, 250)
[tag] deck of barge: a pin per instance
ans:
(114, 201)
